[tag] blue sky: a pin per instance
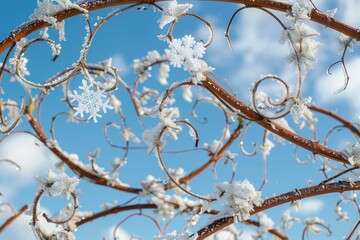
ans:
(131, 35)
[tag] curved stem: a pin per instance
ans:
(11, 219)
(314, 147)
(33, 26)
(297, 194)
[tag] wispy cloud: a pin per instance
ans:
(120, 234)
(311, 206)
(33, 158)
(119, 62)
(327, 84)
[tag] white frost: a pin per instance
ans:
(172, 11)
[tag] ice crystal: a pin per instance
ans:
(345, 41)
(172, 11)
(90, 101)
(174, 236)
(299, 110)
(266, 223)
(300, 10)
(58, 184)
(304, 43)
(187, 53)
(287, 220)
(46, 10)
(312, 225)
(352, 153)
(239, 199)
(143, 67)
(266, 147)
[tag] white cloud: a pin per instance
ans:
(33, 158)
(326, 85)
(119, 62)
(227, 235)
(120, 234)
(348, 12)
(20, 229)
(256, 50)
(311, 206)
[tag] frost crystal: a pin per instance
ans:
(239, 199)
(46, 10)
(287, 220)
(266, 147)
(346, 41)
(266, 223)
(172, 11)
(90, 101)
(174, 236)
(300, 10)
(59, 184)
(187, 53)
(143, 67)
(312, 225)
(299, 110)
(352, 153)
(305, 45)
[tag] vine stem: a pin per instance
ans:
(315, 16)
(292, 196)
(315, 147)
(15, 216)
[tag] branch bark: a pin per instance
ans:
(297, 194)
(13, 218)
(33, 26)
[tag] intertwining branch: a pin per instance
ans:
(232, 201)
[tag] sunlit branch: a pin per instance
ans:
(314, 147)
(303, 193)
(13, 218)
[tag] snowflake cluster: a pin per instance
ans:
(187, 53)
(287, 220)
(300, 10)
(46, 10)
(299, 110)
(22, 61)
(266, 147)
(143, 67)
(59, 184)
(90, 101)
(301, 34)
(238, 199)
(352, 153)
(312, 225)
(172, 12)
(175, 236)
(167, 117)
(346, 41)
(266, 223)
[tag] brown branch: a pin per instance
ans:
(73, 166)
(298, 194)
(33, 26)
(346, 123)
(212, 160)
(11, 219)
(314, 147)
(273, 231)
(115, 210)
